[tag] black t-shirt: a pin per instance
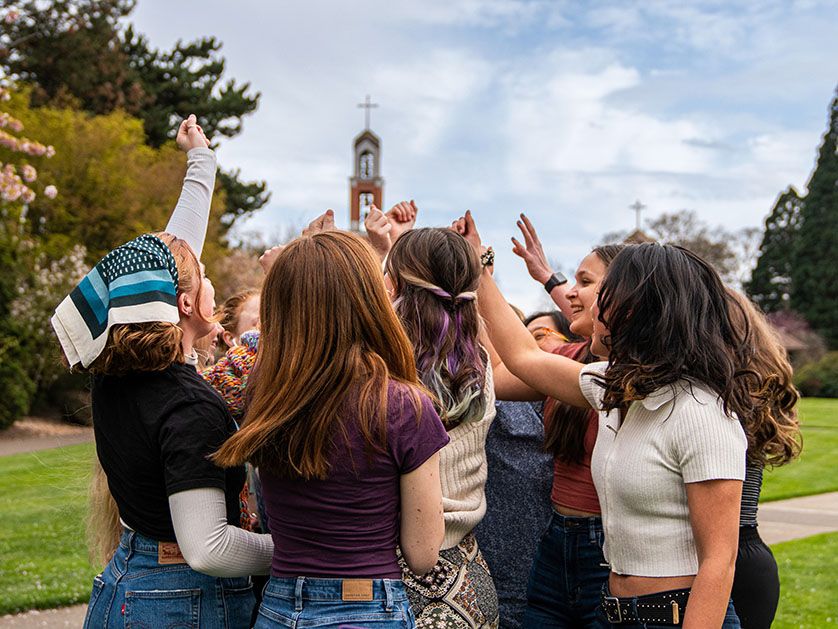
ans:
(154, 431)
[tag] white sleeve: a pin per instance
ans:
(591, 389)
(191, 214)
(209, 544)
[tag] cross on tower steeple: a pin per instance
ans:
(366, 106)
(637, 207)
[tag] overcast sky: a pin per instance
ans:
(568, 111)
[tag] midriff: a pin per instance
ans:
(574, 512)
(630, 585)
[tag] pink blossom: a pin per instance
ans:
(28, 195)
(50, 151)
(12, 16)
(28, 173)
(50, 192)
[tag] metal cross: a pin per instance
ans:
(638, 207)
(366, 106)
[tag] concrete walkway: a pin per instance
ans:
(785, 520)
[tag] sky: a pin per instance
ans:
(568, 111)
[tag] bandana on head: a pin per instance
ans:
(134, 283)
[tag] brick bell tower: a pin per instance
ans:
(366, 185)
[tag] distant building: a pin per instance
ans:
(366, 186)
(637, 237)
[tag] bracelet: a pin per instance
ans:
(557, 279)
(487, 258)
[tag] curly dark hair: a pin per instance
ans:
(670, 318)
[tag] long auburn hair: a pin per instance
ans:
(566, 425)
(670, 318)
(329, 345)
(772, 429)
(435, 273)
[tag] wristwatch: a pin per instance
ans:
(557, 279)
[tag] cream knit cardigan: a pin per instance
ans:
(463, 471)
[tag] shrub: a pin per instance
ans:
(819, 379)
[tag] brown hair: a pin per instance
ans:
(773, 429)
(329, 345)
(230, 311)
(154, 345)
(436, 273)
(565, 425)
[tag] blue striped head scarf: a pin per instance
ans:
(134, 283)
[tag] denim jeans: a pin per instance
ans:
(135, 591)
(567, 575)
(310, 602)
(731, 621)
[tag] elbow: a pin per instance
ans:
(204, 563)
(421, 562)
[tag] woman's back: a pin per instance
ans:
(347, 525)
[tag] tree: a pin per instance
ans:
(814, 272)
(730, 252)
(113, 186)
(78, 53)
(770, 283)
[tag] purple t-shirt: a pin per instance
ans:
(348, 524)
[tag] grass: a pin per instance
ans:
(808, 587)
(813, 472)
(43, 558)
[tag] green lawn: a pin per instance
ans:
(809, 587)
(814, 471)
(43, 558)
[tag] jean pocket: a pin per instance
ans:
(163, 609)
(239, 603)
(95, 616)
(268, 618)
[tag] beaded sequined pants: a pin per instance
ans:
(458, 593)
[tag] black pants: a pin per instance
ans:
(756, 584)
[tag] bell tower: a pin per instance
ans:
(366, 185)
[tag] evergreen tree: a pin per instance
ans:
(78, 53)
(814, 270)
(770, 283)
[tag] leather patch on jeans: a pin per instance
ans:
(169, 553)
(357, 589)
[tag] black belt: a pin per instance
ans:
(664, 608)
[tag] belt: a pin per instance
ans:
(664, 608)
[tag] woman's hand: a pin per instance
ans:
(190, 135)
(402, 217)
(323, 223)
(532, 252)
(466, 227)
(379, 231)
(266, 260)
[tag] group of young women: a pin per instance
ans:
(365, 409)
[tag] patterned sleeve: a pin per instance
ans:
(229, 375)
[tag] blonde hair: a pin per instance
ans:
(230, 311)
(772, 429)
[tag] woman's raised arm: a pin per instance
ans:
(550, 374)
(191, 214)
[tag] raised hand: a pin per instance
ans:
(323, 223)
(190, 135)
(402, 217)
(266, 260)
(532, 252)
(466, 227)
(379, 230)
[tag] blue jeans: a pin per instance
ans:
(309, 602)
(136, 591)
(567, 575)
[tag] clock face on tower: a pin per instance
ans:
(366, 166)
